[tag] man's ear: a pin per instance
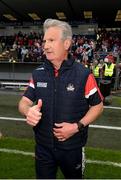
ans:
(67, 44)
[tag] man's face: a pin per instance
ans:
(55, 48)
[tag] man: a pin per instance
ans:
(67, 101)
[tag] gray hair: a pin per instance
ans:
(66, 28)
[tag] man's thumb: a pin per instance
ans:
(39, 104)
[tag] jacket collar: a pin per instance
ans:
(66, 64)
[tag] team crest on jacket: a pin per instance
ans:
(70, 87)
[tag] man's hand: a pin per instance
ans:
(63, 131)
(34, 115)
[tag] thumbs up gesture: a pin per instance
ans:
(39, 104)
(34, 115)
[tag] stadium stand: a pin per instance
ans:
(94, 37)
(85, 49)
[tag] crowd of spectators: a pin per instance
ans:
(28, 47)
(94, 52)
(22, 47)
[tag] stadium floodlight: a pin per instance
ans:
(34, 16)
(88, 14)
(10, 17)
(118, 16)
(61, 15)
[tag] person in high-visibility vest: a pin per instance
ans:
(109, 71)
(109, 68)
(96, 71)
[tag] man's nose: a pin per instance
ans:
(46, 45)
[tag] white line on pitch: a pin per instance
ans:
(92, 126)
(14, 151)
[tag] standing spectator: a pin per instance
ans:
(109, 70)
(24, 52)
(96, 71)
(67, 101)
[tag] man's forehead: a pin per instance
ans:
(52, 32)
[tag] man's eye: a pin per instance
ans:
(51, 40)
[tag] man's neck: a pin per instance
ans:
(57, 64)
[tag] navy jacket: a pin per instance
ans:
(63, 101)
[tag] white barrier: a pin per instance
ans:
(13, 85)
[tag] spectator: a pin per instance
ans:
(109, 70)
(24, 52)
(96, 71)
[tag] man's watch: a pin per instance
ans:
(80, 126)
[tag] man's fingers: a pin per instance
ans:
(31, 123)
(39, 104)
(58, 125)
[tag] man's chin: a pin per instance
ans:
(49, 58)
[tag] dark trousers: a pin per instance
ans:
(48, 160)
